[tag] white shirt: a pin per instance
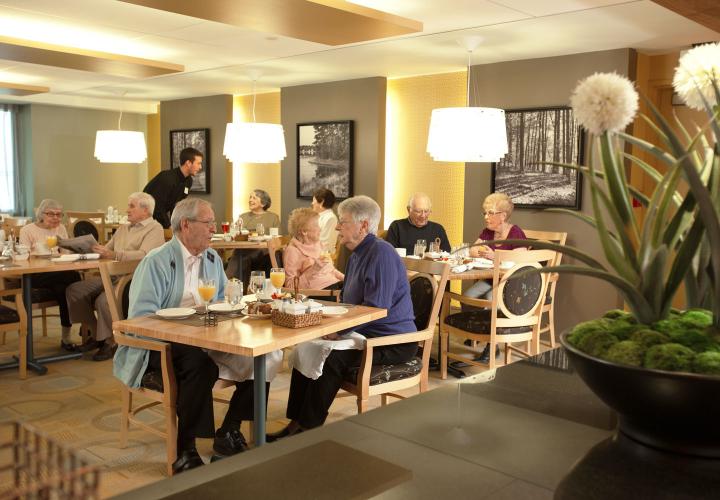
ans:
(328, 236)
(191, 265)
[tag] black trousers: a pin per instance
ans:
(57, 283)
(243, 261)
(242, 405)
(310, 400)
(196, 374)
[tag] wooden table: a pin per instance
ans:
(239, 245)
(247, 337)
(25, 270)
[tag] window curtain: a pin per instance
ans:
(12, 196)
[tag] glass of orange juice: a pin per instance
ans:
(277, 277)
(206, 290)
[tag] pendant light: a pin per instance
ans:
(252, 142)
(467, 134)
(120, 146)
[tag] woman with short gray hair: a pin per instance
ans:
(49, 225)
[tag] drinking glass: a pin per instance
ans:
(51, 242)
(257, 283)
(277, 277)
(225, 227)
(420, 246)
(233, 292)
(260, 229)
(435, 246)
(206, 290)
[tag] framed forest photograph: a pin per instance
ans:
(200, 140)
(325, 158)
(535, 138)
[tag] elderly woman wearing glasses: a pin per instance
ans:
(51, 285)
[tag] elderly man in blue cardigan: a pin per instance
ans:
(168, 277)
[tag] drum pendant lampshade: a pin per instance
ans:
(249, 142)
(467, 134)
(120, 146)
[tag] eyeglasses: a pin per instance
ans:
(421, 212)
(490, 213)
(343, 222)
(53, 214)
(208, 223)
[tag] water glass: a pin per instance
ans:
(260, 229)
(257, 283)
(233, 292)
(420, 247)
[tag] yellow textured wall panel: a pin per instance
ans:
(154, 162)
(249, 176)
(408, 167)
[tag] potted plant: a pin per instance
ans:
(659, 368)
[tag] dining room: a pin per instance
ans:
(354, 110)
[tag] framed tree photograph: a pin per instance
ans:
(537, 137)
(199, 139)
(325, 158)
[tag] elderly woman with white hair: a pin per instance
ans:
(50, 286)
(132, 241)
(375, 277)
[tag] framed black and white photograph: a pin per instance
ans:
(535, 138)
(325, 158)
(199, 139)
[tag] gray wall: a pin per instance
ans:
(540, 83)
(214, 113)
(61, 162)
(362, 101)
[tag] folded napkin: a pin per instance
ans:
(460, 269)
(309, 357)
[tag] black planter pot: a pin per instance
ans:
(677, 412)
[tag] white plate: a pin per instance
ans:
(507, 264)
(90, 256)
(176, 312)
(71, 257)
(334, 310)
(224, 307)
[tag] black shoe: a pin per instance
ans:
(105, 352)
(152, 380)
(285, 432)
(188, 459)
(90, 345)
(68, 346)
(229, 443)
(485, 356)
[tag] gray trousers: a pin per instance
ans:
(85, 298)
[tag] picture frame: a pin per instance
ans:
(325, 154)
(198, 138)
(537, 136)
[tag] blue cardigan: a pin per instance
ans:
(158, 284)
(375, 276)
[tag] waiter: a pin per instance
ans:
(170, 186)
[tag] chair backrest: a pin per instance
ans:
(551, 236)
(276, 247)
(116, 293)
(518, 301)
(82, 223)
(426, 277)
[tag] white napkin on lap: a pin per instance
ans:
(309, 357)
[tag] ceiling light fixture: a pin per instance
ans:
(120, 146)
(467, 134)
(251, 142)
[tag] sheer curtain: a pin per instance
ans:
(11, 196)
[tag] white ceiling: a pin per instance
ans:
(219, 59)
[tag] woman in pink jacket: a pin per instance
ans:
(304, 256)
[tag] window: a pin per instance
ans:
(7, 162)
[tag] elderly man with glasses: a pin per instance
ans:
(403, 233)
(132, 241)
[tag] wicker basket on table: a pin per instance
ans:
(296, 320)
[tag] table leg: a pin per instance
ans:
(259, 409)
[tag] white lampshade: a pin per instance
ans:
(248, 142)
(120, 146)
(468, 134)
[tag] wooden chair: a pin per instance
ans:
(15, 319)
(276, 247)
(122, 272)
(41, 300)
(81, 223)
(427, 279)
(549, 305)
(511, 316)
(168, 234)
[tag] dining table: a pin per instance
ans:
(248, 336)
(25, 269)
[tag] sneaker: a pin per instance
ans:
(229, 443)
(90, 345)
(68, 346)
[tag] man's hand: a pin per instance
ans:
(104, 252)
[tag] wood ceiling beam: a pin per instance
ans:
(17, 89)
(45, 54)
(705, 12)
(331, 22)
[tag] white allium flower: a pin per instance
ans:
(695, 73)
(604, 102)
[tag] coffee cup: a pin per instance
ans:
(402, 252)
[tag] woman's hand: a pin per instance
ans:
(487, 253)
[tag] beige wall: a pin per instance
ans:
(214, 113)
(62, 162)
(362, 101)
(540, 83)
